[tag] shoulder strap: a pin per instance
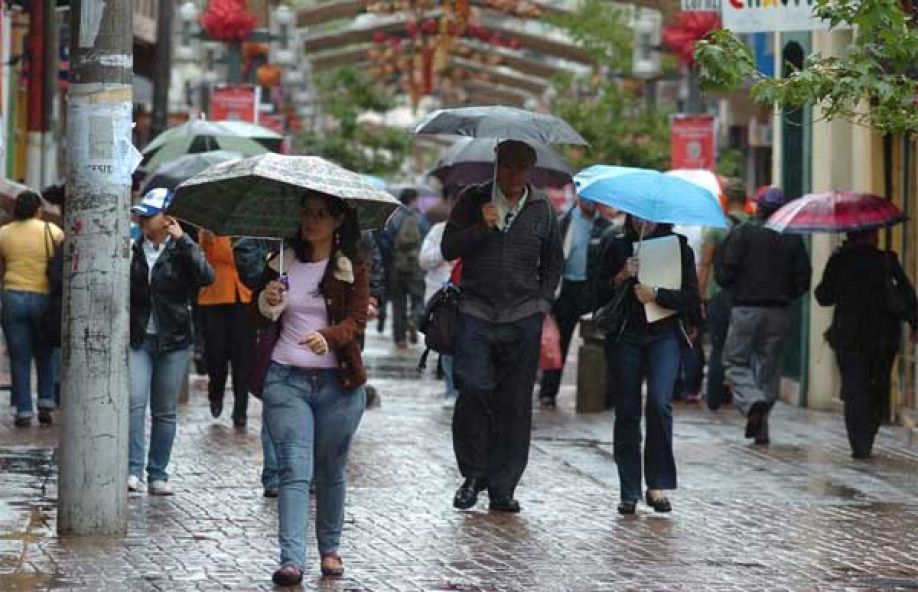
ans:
(48, 236)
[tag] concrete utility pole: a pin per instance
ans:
(93, 458)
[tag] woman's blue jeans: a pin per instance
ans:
(156, 377)
(21, 315)
(311, 420)
(658, 357)
(446, 362)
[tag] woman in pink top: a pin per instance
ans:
(313, 391)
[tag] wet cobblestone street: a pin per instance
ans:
(799, 515)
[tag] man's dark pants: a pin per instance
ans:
(718, 320)
(495, 367)
(406, 290)
(230, 340)
(573, 302)
(865, 388)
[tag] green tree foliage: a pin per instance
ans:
(878, 68)
(615, 122)
(345, 94)
(607, 109)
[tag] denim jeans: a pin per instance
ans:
(446, 362)
(21, 317)
(311, 419)
(657, 355)
(156, 377)
(269, 476)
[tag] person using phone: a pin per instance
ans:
(167, 270)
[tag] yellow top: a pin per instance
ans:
(25, 250)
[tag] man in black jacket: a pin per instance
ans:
(508, 239)
(582, 229)
(764, 272)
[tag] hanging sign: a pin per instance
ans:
(692, 142)
(234, 102)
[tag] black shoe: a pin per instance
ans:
(44, 416)
(660, 504)
(240, 422)
(216, 407)
(860, 455)
(629, 507)
(504, 504)
(762, 441)
(271, 491)
(755, 418)
(467, 494)
(22, 422)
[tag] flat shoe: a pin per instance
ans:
(332, 566)
(287, 575)
(506, 504)
(660, 504)
(629, 507)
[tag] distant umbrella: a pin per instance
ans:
(835, 211)
(196, 136)
(184, 167)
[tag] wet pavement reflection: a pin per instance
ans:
(799, 515)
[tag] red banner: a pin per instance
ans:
(692, 142)
(239, 102)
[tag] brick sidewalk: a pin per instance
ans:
(799, 515)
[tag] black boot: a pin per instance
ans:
(467, 494)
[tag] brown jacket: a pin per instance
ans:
(345, 287)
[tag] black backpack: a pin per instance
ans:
(440, 322)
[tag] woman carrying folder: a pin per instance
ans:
(658, 300)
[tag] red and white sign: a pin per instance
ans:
(276, 122)
(234, 101)
(768, 16)
(693, 142)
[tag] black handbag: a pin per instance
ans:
(612, 317)
(899, 299)
(440, 322)
(54, 270)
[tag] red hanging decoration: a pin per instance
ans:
(689, 28)
(228, 20)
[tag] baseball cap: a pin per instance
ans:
(154, 201)
(771, 197)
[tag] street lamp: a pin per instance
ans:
(283, 40)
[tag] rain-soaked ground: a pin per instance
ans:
(799, 515)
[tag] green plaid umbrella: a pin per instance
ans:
(262, 196)
(197, 136)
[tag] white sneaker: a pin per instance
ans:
(160, 488)
(134, 483)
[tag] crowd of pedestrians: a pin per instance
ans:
(286, 323)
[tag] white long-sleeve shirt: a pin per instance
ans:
(437, 270)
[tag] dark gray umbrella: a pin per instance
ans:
(174, 172)
(471, 160)
(502, 123)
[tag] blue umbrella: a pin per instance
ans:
(650, 195)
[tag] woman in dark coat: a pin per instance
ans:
(639, 350)
(872, 298)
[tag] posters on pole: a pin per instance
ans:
(234, 102)
(768, 16)
(700, 5)
(693, 142)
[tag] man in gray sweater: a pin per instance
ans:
(508, 239)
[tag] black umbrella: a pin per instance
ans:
(502, 123)
(174, 172)
(471, 160)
